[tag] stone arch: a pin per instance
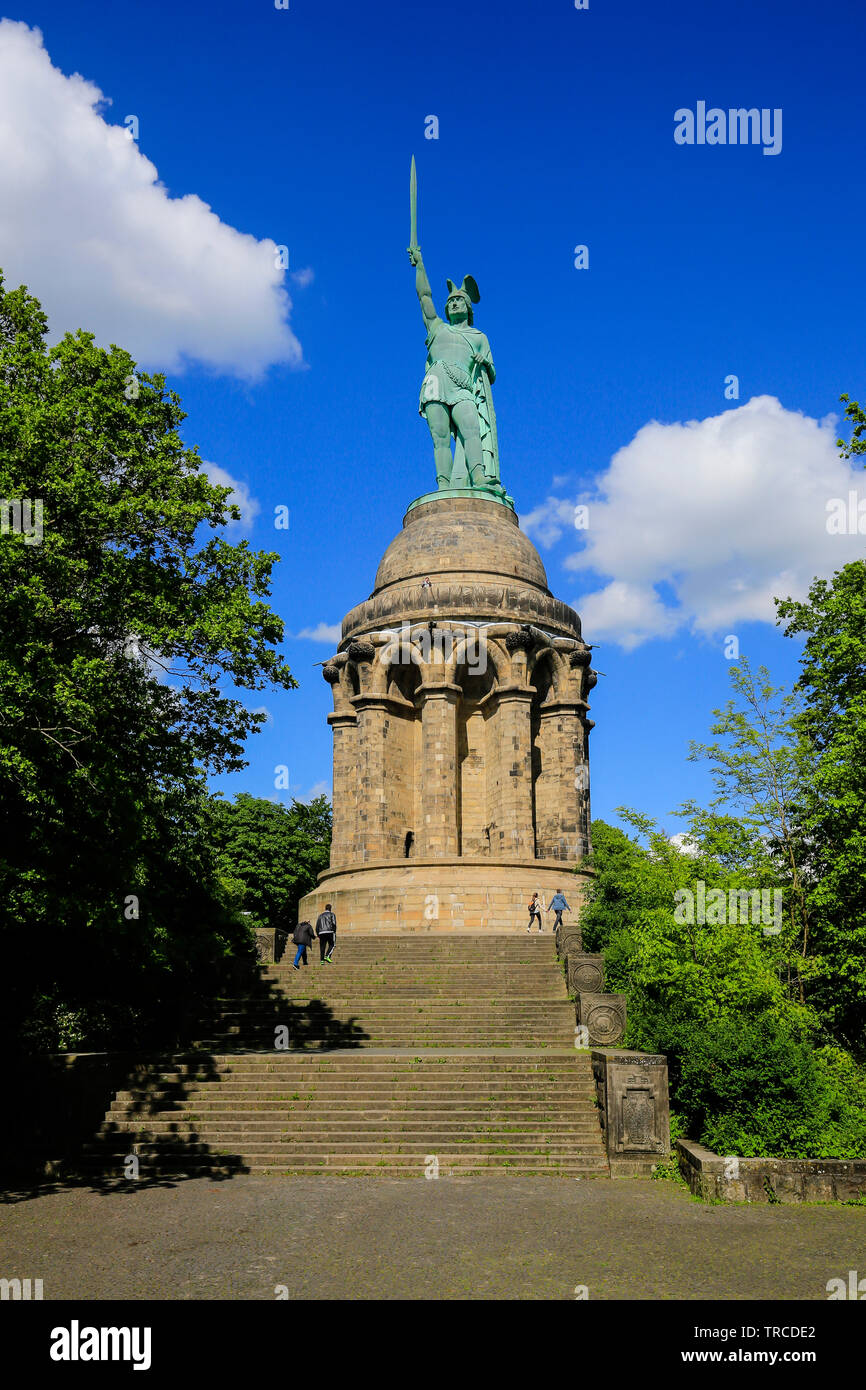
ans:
(352, 678)
(542, 673)
(473, 656)
(404, 678)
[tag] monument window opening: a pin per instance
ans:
(408, 843)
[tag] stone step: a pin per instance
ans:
(459, 1044)
(488, 943)
(458, 976)
(357, 972)
(460, 1005)
(466, 1157)
(325, 1043)
(469, 1023)
(371, 1133)
(508, 1066)
(453, 1086)
(383, 1085)
(371, 1165)
(221, 1093)
(350, 1144)
(370, 1102)
(456, 1009)
(562, 1065)
(368, 1026)
(457, 963)
(332, 986)
(300, 1113)
(426, 1095)
(261, 1037)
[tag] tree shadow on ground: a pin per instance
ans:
(261, 1020)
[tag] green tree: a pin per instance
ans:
(274, 852)
(761, 770)
(747, 1069)
(832, 727)
(122, 633)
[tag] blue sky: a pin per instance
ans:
(556, 129)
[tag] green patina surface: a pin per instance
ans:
(456, 394)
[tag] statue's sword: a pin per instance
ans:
(413, 208)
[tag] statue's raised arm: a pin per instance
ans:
(422, 287)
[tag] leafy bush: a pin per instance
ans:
(751, 1072)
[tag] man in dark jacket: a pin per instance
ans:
(326, 931)
(302, 937)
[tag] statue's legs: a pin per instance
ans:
(468, 427)
(439, 420)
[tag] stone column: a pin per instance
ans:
(563, 814)
(439, 827)
(369, 836)
(514, 835)
(345, 799)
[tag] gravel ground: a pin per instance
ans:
(451, 1238)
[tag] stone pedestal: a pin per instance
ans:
(632, 1092)
(461, 776)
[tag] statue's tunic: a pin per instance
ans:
(452, 350)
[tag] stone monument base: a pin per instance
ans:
(441, 895)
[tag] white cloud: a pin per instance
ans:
(548, 521)
(317, 789)
(86, 225)
(627, 612)
(240, 495)
(303, 277)
(322, 632)
(685, 844)
(699, 525)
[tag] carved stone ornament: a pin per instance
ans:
(521, 640)
(361, 651)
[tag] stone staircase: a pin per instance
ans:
(405, 1055)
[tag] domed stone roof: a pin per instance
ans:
(463, 559)
(462, 538)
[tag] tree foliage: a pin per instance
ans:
(122, 633)
(274, 852)
(765, 1032)
(832, 731)
(752, 1069)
